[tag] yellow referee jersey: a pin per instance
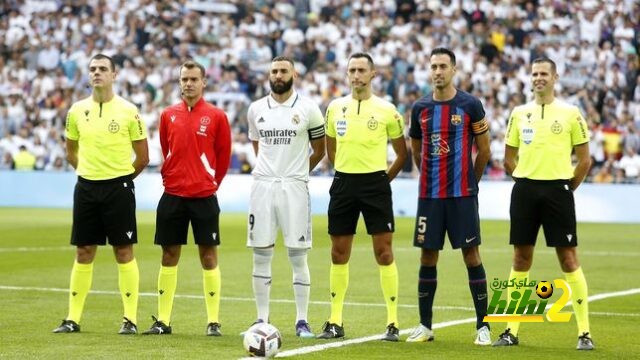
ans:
(361, 129)
(104, 132)
(545, 136)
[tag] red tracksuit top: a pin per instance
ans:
(196, 145)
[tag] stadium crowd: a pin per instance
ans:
(45, 47)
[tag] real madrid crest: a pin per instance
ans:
(372, 124)
(114, 127)
(456, 119)
(295, 119)
(556, 128)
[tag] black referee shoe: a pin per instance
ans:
(506, 339)
(158, 328)
(128, 328)
(67, 326)
(392, 333)
(213, 329)
(331, 331)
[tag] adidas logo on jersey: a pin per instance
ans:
(261, 120)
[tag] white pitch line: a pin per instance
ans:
(187, 296)
(612, 314)
(336, 344)
(35, 249)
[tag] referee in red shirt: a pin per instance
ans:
(196, 145)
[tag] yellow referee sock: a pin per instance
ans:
(389, 282)
(518, 275)
(211, 281)
(129, 283)
(338, 284)
(81, 276)
(167, 281)
(579, 299)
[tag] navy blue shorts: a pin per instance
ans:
(458, 217)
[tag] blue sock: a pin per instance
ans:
(478, 287)
(427, 283)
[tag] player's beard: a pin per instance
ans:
(281, 87)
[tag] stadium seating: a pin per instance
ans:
(46, 46)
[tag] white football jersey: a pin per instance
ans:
(283, 132)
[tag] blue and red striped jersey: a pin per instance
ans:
(447, 129)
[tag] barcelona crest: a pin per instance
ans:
(456, 119)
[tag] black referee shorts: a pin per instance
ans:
(104, 210)
(352, 194)
(548, 203)
(174, 214)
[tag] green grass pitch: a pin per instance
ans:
(35, 260)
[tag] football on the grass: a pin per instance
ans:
(262, 340)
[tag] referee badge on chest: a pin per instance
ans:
(556, 128)
(527, 135)
(114, 127)
(341, 127)
(372, 124)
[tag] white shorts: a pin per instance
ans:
(279, 204)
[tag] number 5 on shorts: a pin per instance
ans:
(422, 224)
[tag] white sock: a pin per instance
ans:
(301, 281)
(262, 280)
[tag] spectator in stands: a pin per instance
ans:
(24, 160)
(630, 163)
(7, 161)
(43, 62)
(604, 174)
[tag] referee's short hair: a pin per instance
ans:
(103, 56)
(544, 59)
(283, 58)
(360, 55)
(190, 64)
(444, 51)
